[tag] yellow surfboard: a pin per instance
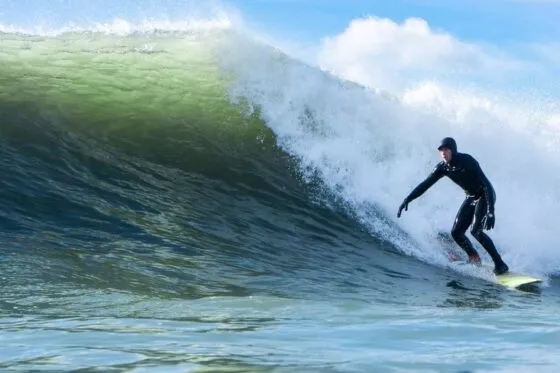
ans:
(512, 280)
(515, 280)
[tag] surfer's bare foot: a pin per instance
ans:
(501, 268)
(453, 257)
(474, 259)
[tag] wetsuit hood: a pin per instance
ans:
(449, 143)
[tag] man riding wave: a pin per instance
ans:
(478, 206)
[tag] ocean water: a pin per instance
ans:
(195, 200)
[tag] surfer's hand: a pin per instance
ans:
(488, 220)
(404, 206)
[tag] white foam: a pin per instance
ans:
(123, 27)
(372, 148)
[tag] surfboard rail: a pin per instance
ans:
(510, 279)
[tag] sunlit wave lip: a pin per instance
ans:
(122, 27)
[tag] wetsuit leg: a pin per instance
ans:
(478, 232)
(462, 222)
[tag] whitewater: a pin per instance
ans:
(195, 196)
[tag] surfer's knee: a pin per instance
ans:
(457, 235)
(478, 234)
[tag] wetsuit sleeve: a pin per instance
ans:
(486, 186)
(434, 176)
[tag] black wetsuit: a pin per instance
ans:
(465, 171)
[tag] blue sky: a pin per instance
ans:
(496, 21)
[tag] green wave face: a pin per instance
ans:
(135, 144)
(160, 96)
(170, 98)
(143, 121)
(118, 83)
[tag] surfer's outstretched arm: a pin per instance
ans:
(434, 176)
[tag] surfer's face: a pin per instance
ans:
(446, 154)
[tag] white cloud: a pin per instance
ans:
(468, 84)
(381, 53)
(409, 44)
(549, 52)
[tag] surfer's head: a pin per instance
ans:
(447, 149)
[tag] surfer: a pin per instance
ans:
(478, 205)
